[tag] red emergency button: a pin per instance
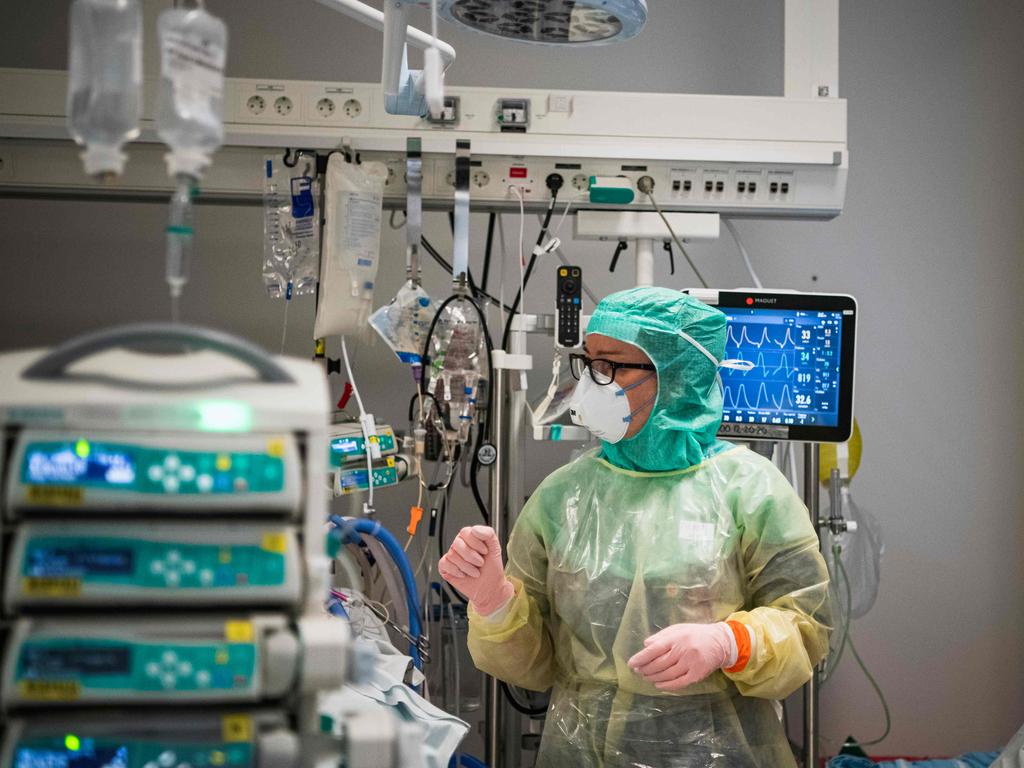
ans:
(517, 173)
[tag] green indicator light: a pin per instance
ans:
(72, 742)
(82, 449)
(224, 416)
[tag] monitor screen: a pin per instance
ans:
(801, 346)
(795, 378)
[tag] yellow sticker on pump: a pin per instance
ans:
(238, 631)
(50, 690)
(51, 586)
(275, 542)
(236, 728)
(55, 495)
(275, 448)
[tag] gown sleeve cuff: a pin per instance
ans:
(744, 646)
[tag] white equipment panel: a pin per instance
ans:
(739, 145)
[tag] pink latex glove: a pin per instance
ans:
(473, 566)
(684, 654)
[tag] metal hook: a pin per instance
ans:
(671, 257)
(288, 160)
(623, 245)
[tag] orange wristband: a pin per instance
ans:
(742, 645)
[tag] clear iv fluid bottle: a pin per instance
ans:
(190, 107)
(105, 80)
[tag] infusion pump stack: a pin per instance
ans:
(163, 577)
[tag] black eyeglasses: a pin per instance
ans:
(602, 371)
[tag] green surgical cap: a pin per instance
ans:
(681, 429)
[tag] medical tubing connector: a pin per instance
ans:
(394, 549)
(180, 235)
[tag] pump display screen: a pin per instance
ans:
(75, 749)
(40, 661)
(127, 468)
(801, 348)
(79, 561)
(103, 757)
(65, 465)
(795, 378)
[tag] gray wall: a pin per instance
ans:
(930, 243)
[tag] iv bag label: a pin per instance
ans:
(360, 239)
(302, 197)
(195, 68)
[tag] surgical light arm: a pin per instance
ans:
(404, 89)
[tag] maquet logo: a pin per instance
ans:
(761, 300)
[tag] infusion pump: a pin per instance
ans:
(163, 551)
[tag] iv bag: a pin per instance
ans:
(291, 227)
(104, 80)
(861, 556)
(353, 205)
(405, 322)
(190, 103)
(458, 364)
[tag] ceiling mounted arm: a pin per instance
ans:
(403, 88)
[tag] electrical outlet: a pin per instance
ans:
(683, 182)
(481, 178)
(749, 184)
(780, 185)
(283, 105)
(256, 104)
(325, 107)
(352, 108)
(581, 182)
(714, 182)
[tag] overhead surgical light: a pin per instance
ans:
(550, 22)
(541, 22)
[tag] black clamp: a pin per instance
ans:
(671, 257)
(623, 245)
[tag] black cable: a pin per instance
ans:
(518, 706)
(448, 268)
(487, 250)
(418, 395)
(529, 269)
(474, 485)
(441, 515)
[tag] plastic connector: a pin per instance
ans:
(554, 182)
(415, 516)
(370, 433)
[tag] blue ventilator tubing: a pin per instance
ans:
(348, 525)
(466, 761)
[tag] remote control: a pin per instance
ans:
(568, 306)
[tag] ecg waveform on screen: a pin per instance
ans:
(740, 399)
(765, 337)
(763, 367)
